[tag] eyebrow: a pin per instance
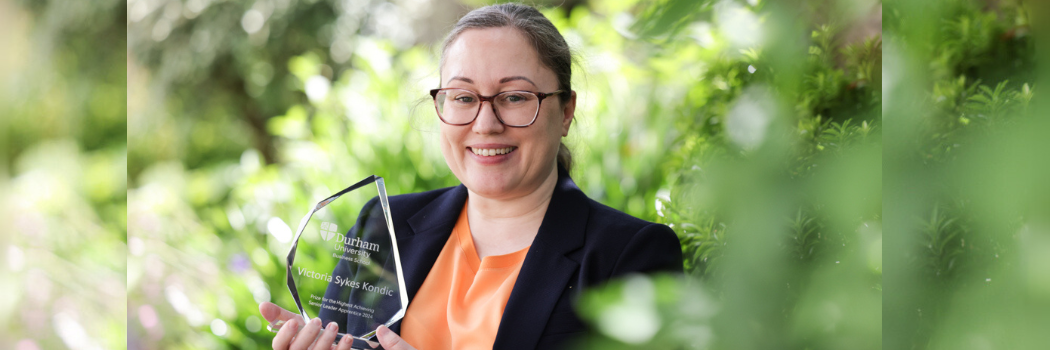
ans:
(516, 77)
(501, 81)
(460, 78)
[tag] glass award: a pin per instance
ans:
(344, 266)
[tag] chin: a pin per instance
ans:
(488, 192)
(489, 184)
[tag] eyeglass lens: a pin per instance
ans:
(514, 108)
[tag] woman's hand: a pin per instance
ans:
(390, 340)
(292, 337)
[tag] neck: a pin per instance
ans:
(505, 225)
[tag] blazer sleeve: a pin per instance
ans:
(654, 248)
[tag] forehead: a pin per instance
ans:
(488, 54)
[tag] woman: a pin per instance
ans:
(498, 261)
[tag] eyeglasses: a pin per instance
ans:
(513, 108)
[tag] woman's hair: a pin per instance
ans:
(539, 31)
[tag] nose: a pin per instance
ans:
(487, 122)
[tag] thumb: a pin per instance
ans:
(272, 313)
(390, 340)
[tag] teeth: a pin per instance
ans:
(488, 152)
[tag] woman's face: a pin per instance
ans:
(489, 61)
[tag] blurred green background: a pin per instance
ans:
(63, 175)
(757, 129)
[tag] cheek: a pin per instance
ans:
(554, 124)
(448, 144)
(546, 136)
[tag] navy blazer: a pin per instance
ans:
(580, 243)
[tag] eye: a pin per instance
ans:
(465, 99)
(515, 98)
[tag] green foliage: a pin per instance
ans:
(63, 182)
(723, 188)
(668, 18)
(964, 170)
(942, 237)
(805, 234)
(658, 313)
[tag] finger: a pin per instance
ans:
(390, 340)
(327, 337)
(285, 335)
(344, 344)
(307, 335)
(271, 312)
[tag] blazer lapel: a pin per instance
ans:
(421, 243)
(546, 269)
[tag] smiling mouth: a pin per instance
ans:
(489, 152)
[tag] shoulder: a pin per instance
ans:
(612, 222)
(624, 244)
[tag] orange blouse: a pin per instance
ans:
(460, 304)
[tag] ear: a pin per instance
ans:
(568, 113)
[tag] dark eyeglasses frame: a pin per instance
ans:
(483, 98)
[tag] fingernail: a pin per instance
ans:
(315, 322)
(331, 326)
(382, 332)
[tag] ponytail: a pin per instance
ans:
(564, 157)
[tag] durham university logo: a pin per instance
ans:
(328, 230)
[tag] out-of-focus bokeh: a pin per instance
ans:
(63, 175)
(757, 129)
(966, 164)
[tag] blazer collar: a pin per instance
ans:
(546, 270)
(430, 229)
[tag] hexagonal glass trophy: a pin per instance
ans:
(344, 266)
